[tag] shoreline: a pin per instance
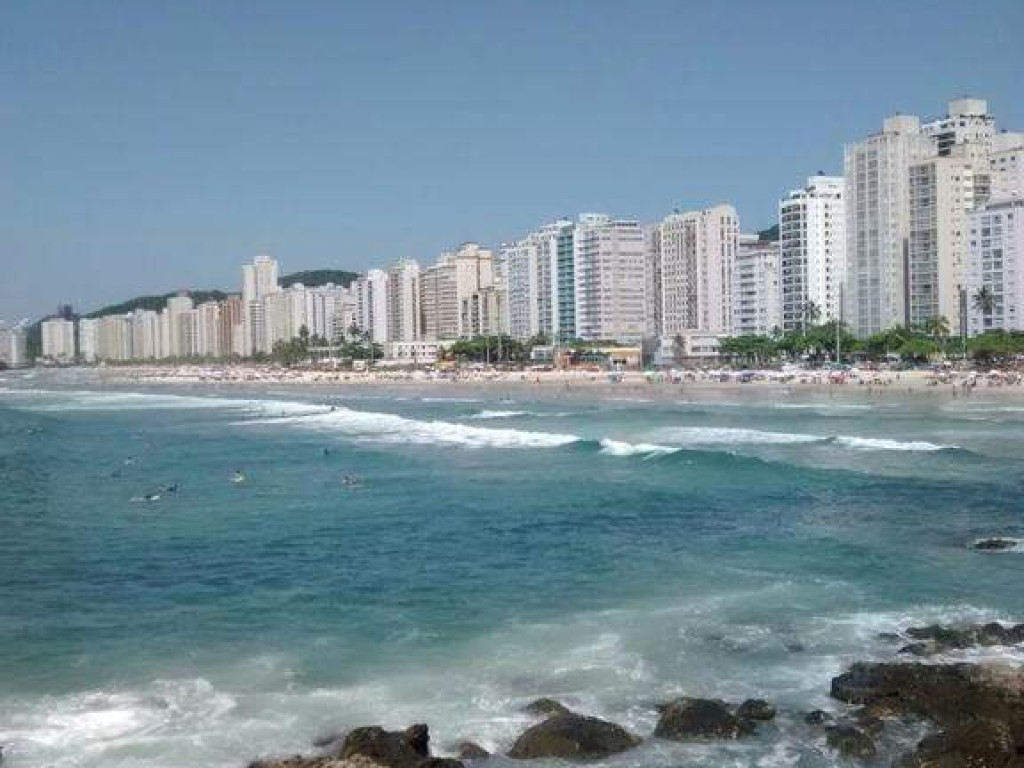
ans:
(921, 386)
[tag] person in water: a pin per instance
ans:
(238, 477)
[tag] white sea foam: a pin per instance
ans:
(730, 436)
(391, 428)
(486, 415)
(620, 448)
(884, 444)
(707, 436)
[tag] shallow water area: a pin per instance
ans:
(496, 546)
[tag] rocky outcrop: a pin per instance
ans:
(978, 709)
(315, 762)
(470, 750)
(850, 742)
(390, 749)
(755, 709)
(546, 707)
(569, 736)
(936, 639)
(995, 544)
(686, 719)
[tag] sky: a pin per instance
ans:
(148, 147)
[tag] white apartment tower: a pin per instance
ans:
(877, 180)
(941, 194)
(698, 250)
(1006, 166)
(259, 279)
(755, 287)
(403, 299)
(58, 339)
(610, 259)
(531, 275)
(371, 292)
(996, 267)
(812, 253)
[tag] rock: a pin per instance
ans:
(916, 649)
(391, 749)
(755, 709)
(572, 737)
(818, 717)
(469, 750)
(440, 762)
(939, 638)
(686, 718)
(546, 707)
(946, 694)
(315, 762)
(850, 742)
(867, 722)
(994, 544)
(980, 744)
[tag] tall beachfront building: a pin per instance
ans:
(13, 345)
(58, 339)
(371, 296)
(812, 253)
(457, 296)
(877, 182)
(259, 279)
(697, 252)
(609, 280)
(403, 300)
(996, 267)
(532, 271)
(942, 193)
(755, 287)
(1006, 165)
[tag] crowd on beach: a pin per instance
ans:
(943, 379)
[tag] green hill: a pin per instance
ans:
(310, 278)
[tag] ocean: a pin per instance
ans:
(495, 548)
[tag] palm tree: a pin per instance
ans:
(984, 300)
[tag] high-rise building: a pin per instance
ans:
(58, 340)
(403, 300)
(941, 191)
(180, 326)
(371, 291)
(532, 281)
(446, 285)
(145, 338)
(698, 250)
(259, 280)
(88, 340)
(13, 345)
(1006, 166)
(610, 261)
(755, 287)
(995, 271)
(812, 253)
(877, 180)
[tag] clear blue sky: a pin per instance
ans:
(148, 146)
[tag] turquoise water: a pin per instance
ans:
(497, 549)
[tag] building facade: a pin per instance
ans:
(755, 287)
(812, 253)
(995, 267)
(610, 258)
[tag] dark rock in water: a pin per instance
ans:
(936, 638)
(977, 707)
(469, 750)
(328, 739)
(391, 749)
(440, 762)
(686, 718)
(572, 737)
(818, 717)
(546, 707)
(994, 544)
(850, 742)
(755, 709)
(980, 744)
(315, 762)
(892, 637)
(916, 649)
(867, 722)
